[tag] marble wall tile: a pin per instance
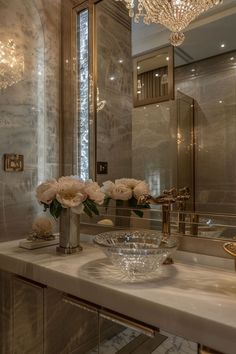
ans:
(29, 110)
(154, 154)
(213, 87)
(114, 75)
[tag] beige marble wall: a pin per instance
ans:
(29, 110)
(213, 86)
(154, 152)
(114, 76)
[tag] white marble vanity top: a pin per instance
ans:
(193, 301)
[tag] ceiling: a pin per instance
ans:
(203, 37)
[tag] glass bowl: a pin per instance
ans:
(134, 260)
(136, 252)
(116, 238)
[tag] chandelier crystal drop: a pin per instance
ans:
(11, 64)
(175, 15)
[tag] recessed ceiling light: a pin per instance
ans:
(138, 67)
(193, 70)
(167, 58)
(156, 75)
(232, 58)
(157, 105)
(220, 101)
(138, 92)
(112, 78)
(222, 45)
(121, 61)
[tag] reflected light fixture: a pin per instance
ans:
(175, 15)
(11, 64)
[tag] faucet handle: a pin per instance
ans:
(230, 247)
(171, 192)
(183, 194)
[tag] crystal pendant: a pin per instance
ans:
(177, 38)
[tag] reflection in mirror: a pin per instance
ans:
(153, 77)
(186, 141)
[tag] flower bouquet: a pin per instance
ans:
(68, 197)
(126, 191)
(70, 192)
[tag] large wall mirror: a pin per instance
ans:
(185, 141)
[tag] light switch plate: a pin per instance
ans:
(102, 168)
(13, 162)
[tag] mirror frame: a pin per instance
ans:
(171, 92)
(203, 246)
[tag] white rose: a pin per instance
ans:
(141, 189)
(127, 182)
(121, 192)
(107, 188)
(46, 192)
(94, 192)
(71, 192)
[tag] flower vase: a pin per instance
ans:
(69, 239)
(123, 214)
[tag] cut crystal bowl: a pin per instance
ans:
(136, 252)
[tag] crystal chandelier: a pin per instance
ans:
(176, 15)
(11, 64)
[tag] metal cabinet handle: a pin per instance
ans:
(29, 282)
(127, 322)
(79, 303)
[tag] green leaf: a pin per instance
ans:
(55, 209)
(119, 203)
(92, 206)
(133, 202)
(106, 202)
(139, 213)
(87, 210)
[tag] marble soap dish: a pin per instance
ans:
(34, 244)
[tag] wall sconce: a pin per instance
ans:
(11, 64)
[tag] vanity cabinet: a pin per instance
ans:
(69, 327)
(35, 319)
(28, 319)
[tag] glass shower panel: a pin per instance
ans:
(82, 149)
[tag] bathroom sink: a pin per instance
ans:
(136, 252)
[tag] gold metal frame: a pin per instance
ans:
(67, 121)
(147, 55)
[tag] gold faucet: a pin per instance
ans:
(166, 199)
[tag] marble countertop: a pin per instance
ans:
(190, 300)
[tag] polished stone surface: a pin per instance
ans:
(114, 80)
(212, 86)
(154, 153)
(194, 301)
(29, 110)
